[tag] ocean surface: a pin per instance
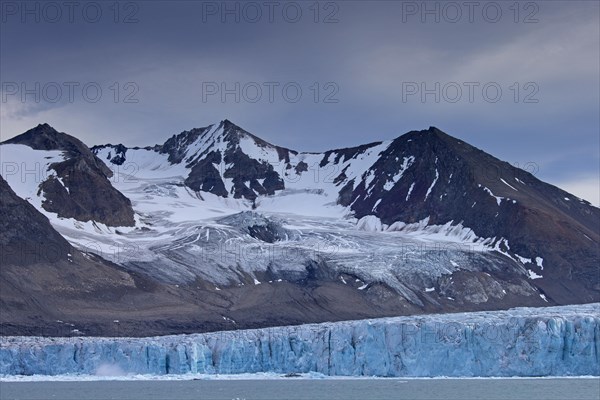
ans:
(309, 389)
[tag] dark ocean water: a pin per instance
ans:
(360, 389)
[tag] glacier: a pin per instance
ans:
(181, 235)
(550, 341)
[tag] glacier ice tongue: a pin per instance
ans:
(552, 341)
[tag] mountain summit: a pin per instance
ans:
(76, 185)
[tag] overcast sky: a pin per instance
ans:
(520, 82)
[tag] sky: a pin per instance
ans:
(520, 80)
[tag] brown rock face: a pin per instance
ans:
(450, 180)
(26, 236)
(87, 193)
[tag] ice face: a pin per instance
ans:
(518, 342)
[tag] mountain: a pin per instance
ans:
(26, 236)
(250, 234)
(77, 186)
(49, 288)
(246, 174)
(422, 175)
(447, 180)
(45, 281)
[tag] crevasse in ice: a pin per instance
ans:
(518, 342)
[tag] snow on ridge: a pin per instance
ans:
(359, 165)
(249, 146)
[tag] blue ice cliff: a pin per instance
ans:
(517, 342)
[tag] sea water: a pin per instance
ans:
(309, 389)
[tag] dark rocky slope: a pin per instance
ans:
(450, 180)
(87, 194)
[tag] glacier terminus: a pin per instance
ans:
(557, 341)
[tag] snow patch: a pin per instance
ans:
(498, 198)
(406, 163)
(369, 223)
(410, 189)
(533, 275)
(376, 204)
(523, 260)
(507, 184)
(437, 175)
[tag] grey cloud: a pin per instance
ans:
(170, 52)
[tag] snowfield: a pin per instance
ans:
(553, 341)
